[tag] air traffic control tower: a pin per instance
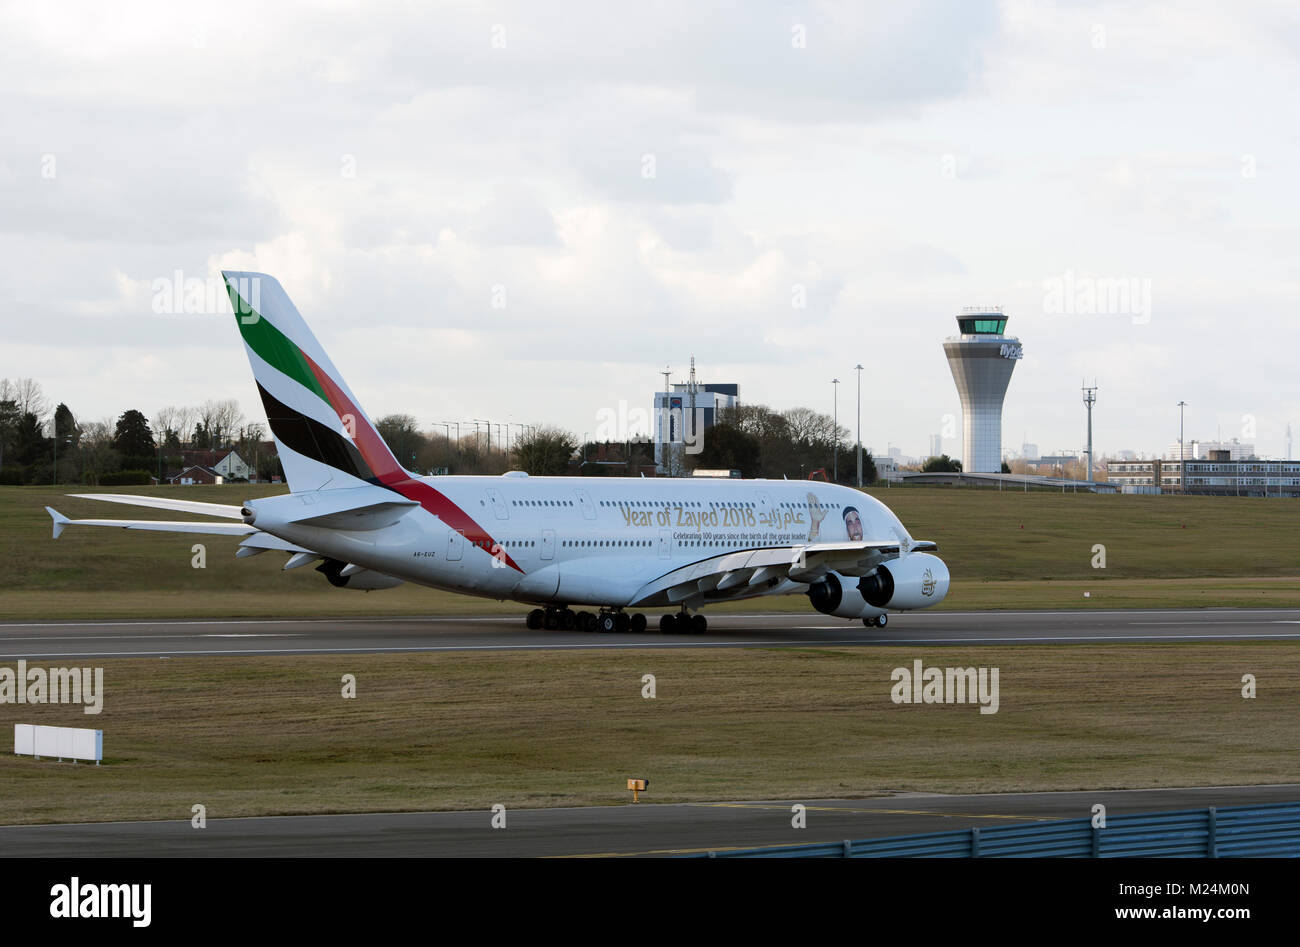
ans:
(981, 359)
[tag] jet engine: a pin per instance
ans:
(915, 581)
(366, 580)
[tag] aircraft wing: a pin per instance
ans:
(61, 522)
(744, 573)
(255, 543)
(223, 510)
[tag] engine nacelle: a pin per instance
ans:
(917, 581)
(838, 595)
(364, 581)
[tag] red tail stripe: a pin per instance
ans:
(392, 475)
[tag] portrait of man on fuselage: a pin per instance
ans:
(853, 523)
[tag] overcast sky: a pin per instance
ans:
(504, 211)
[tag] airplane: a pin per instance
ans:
(586, 553)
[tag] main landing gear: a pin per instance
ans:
(612, 620)
(565, 619)
(880, 621)
(684, 623)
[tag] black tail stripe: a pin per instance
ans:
(312, 439)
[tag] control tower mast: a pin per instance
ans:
(982, 358)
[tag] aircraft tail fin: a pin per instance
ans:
(325, 439)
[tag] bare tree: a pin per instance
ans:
(97, 451)
(171, 420)
(220, 419)
(27, 394)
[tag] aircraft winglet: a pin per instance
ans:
(60, 521)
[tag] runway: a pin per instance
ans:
(627, 830)
(152, 639)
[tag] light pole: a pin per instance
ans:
(457, 423)
(1182, 451)
(1089, 399)
(858, 369)
(835, 382)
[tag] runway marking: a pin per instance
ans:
(164, 623)
(1208, 615)
(664, 645)
(946, 815)
(244, 634)
(1266, 621)
(251, 634)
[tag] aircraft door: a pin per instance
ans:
(548, 544)
(498, 504)
(665, 543)
(455, 545)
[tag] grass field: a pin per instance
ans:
(1004, 549)
(246, 736)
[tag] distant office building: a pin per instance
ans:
(982, 359)
(1048, 461)
(936, 445)
(1236, 449)
(1201, 450)
(684, 413)
(1029, 451)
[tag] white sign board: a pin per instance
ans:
(61, 743)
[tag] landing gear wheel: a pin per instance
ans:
(668, 625)
(622, 623)
(607, 622)
(586, 621)
(638, 624)
(568, 619)
(535, 619)
(699, 624)
(882, 621)
(552, 620)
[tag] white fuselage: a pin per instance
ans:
(588, 540)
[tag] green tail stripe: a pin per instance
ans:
(272, 345)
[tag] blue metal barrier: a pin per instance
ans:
(1237, 831)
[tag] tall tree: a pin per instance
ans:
(10, 417)
(97, 451)
(29, 397)
(545, 452)
(729, 448)
(402, 435)
(220, 420)
(66, 430)
(133, 440)
(30, 444)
